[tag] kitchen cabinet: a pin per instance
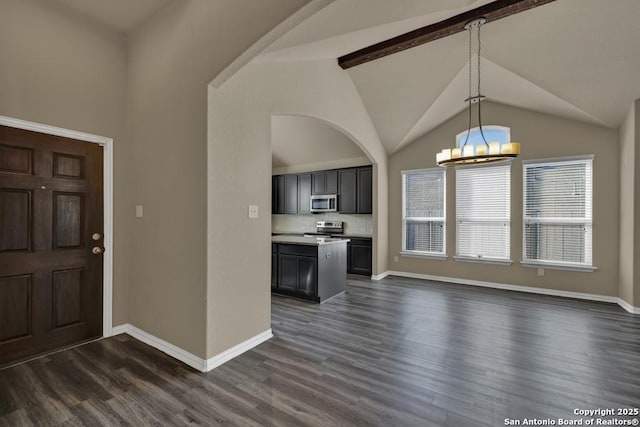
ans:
(311, 271)
(290, 194)
(277, 194)
(359, 256)
(355, 190)
(347, 199)
(304, 193)
(325, 182)
(284, 194)
(365, 188)
(274, 265)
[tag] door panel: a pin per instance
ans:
(67, 297)
(15, 220)
(16, 159)
(50, 205)
(15, 307)
(67, 220)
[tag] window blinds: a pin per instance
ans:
(558, 211)
(423, 219)
(483, 196)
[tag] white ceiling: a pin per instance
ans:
(572, 58)
(298, 140)
(122, 16)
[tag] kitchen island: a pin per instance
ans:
(310, 268)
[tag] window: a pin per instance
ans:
(483, 197)
(501, 134)
(557, 212)
(423, 212)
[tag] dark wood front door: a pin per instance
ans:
(51, 218)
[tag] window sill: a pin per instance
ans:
(484, 260)
(557, 266)
(423, 255)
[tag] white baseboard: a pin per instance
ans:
(380, 276)
(542, 291)
(186, 357)
(631, 309)
(237, 350)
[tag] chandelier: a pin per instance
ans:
(468, 153)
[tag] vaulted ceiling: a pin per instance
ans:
(122, 16)
(577, 59)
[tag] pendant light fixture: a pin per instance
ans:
(490, 151)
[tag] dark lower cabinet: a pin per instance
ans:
(314, 273)
(288, 272)
(359, 256)
(274, 265)
(307, 275)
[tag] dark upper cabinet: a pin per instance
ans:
(284, 196)
(365, 186)
(290, 194)
(277, 194)
(304, 193)
(347, 200)
(331, 182)
(325, 182)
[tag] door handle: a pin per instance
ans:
(97, 250)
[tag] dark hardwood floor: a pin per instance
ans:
(400, 352)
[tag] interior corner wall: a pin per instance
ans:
(629, 189)
(636, 193)
(239, 174)
(172, 59)
(542, 136)
(61, 71)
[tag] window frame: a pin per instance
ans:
(559, 265)
(461, 135)
(486, 260)
(443, 219)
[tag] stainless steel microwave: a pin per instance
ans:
(324, 203)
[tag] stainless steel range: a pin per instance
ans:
(327, 228)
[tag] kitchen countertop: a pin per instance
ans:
(357, 235)
(300, 233)
(308, 241)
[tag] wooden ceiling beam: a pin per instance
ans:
(491, 11)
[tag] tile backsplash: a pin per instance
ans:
(357, 224)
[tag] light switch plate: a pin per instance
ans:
(253, 211)
(138, 211)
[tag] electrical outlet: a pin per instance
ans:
(253, 211)
(541, 272)
(138, 211)
(395, 258)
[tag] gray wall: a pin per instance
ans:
(61, 71)
(628, 202)
(172, 59)
(542, 136)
